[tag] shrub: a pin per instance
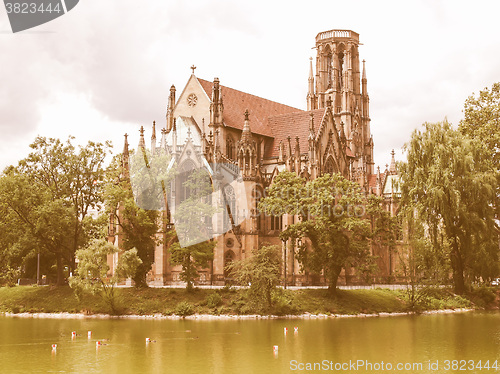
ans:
(213, 300)
(184, 309)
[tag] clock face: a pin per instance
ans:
(192, 100)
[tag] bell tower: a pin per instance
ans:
(338, 79)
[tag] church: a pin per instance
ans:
(243, 141)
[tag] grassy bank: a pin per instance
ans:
(168, 301)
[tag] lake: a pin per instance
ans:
(453, 343)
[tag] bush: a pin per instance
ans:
(284, 303)
(184, 309)
(483, 296)
(213, 300)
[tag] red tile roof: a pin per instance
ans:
(293, 125)
(372, 180)
(236, 102)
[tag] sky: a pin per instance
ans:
(106, 67)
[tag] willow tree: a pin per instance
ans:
(331, 212)
(448, 184)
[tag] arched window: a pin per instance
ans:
(228, 259)
(230, 207)
(329, 166)
(229, 148)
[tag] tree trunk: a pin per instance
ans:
(458, 268)
(60, 269)
(334, 277)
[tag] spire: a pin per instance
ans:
(311, 126)
(142, 143)
(392, 168)
(153, 139)
(364, 81)
(125, 158)
(310, 92)
(364, 70)
(281, 156)
(246, 134)
(216, 107)
(163, 141)
(343, 138)
(170, 109)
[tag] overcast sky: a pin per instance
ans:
(106, 67)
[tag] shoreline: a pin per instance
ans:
(226, 317)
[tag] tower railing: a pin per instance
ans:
(337, 34)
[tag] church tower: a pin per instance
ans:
(338, 79)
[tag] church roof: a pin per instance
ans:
(293, 125)
(236, 102)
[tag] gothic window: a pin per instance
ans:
(329, 166)
(229, 148)
(228, 259)
(256, 196)
(230, 207)
(276, 222)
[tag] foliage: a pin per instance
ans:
(448, 188)
(192, 250)
(261, 271)
(482, 120)
(92, 271)
(214, 300)
(137, 226)
(47, 198)
(33, 222)
(331, 212)
(184, 308)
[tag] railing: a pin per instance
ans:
(337, 34)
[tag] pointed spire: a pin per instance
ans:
(170, 109)
(364, 70)
(125, 158)
(153, 139)
(311, 98)
(125, 146)
(142, 143)
(311, 125)
(163, 141)
(281, 150)
(343, 138)
(246, 134)
(392, 168)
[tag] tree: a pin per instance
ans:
(92, 271)
(331, 215)
(192, 217)
(262, 271)
(447, 184)
(137, 226)
(33, 221)
(72, 176)
(482, 120)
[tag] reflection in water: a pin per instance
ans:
(243, 346)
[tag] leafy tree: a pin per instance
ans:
(191, 249)
(262, 271)
(331, 215)
(73, 176)
(33, 222)
(448, 185)
(92, 272)
(482, 120)
(137, 226)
